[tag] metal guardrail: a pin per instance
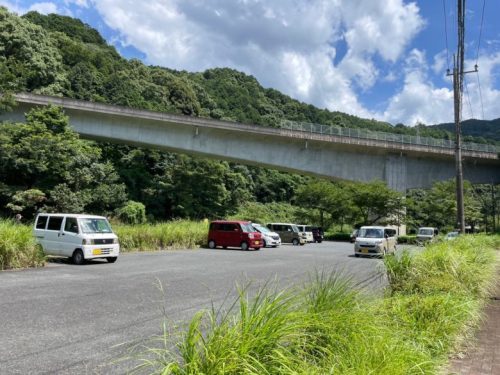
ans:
(383, 136)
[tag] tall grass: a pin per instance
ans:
(18, 248)
(329, 327)
(181, 234)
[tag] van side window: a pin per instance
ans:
(55, 223)
(71, 225)
(41, 222)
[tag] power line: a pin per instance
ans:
(480, 94)
(480, 31)
(468, 97)
(446, 35)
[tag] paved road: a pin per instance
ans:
(66, 319)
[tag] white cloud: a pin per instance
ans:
(44, 7)
(288, 46)
(419, 101)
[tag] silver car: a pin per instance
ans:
(270, 238)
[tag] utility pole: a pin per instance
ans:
(458, 88)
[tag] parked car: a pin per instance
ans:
(318, 234)
(451, 236)
(306, 231)
(374, 240)
(240, 234)
(78, 237)
(353, 235)
(426, 234)
(269, 238)
(288, 232)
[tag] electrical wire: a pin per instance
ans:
(480, 31)
(480, 95)
(446, 36)
(468, 97)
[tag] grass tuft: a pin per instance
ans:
(18, 248)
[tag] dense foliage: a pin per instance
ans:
(44, 165)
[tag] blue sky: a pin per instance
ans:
(376, 59)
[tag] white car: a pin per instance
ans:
(375, 241)
(78, 237)
(270, 238)
(307, 231)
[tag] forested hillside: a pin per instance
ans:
(487, 130)
(58, 55)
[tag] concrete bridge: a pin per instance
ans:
(347, 156)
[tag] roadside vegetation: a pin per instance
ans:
(18, 248)
(430, 308)
(180, 234)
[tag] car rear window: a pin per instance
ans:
(55, 223)
(41, 222)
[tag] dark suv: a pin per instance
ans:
(317, 234)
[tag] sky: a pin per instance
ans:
(385, 60)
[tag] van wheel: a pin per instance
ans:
(295, 242)
(111, 259)
(244, 246)
(78, 257)
(211, 244)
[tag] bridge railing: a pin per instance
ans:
(383, 136)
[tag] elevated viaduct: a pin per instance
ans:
(350, 154)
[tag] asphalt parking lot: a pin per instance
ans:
(67, 319)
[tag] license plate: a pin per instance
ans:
(96, 252)
(365, 251)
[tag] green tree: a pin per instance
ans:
(375, 201)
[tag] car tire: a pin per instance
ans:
(264, 244)
(295, 242)
(77, 257)
(257, 248)
(244, 246)
(111, 259)
(211, 244)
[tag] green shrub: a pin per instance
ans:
(18, 248)
(132, 213)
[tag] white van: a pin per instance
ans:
(426, 234)
(78, 237)
(375, 241)
(307, 231)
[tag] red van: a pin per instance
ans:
(233, 234)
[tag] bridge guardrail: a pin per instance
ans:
(383, 136)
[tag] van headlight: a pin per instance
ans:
(251, 235)
(115, 240)
(379, 242)
(88, 241)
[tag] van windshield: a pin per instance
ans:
(95, 226)
(371, 233)
(295, 229)
(426, 232)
